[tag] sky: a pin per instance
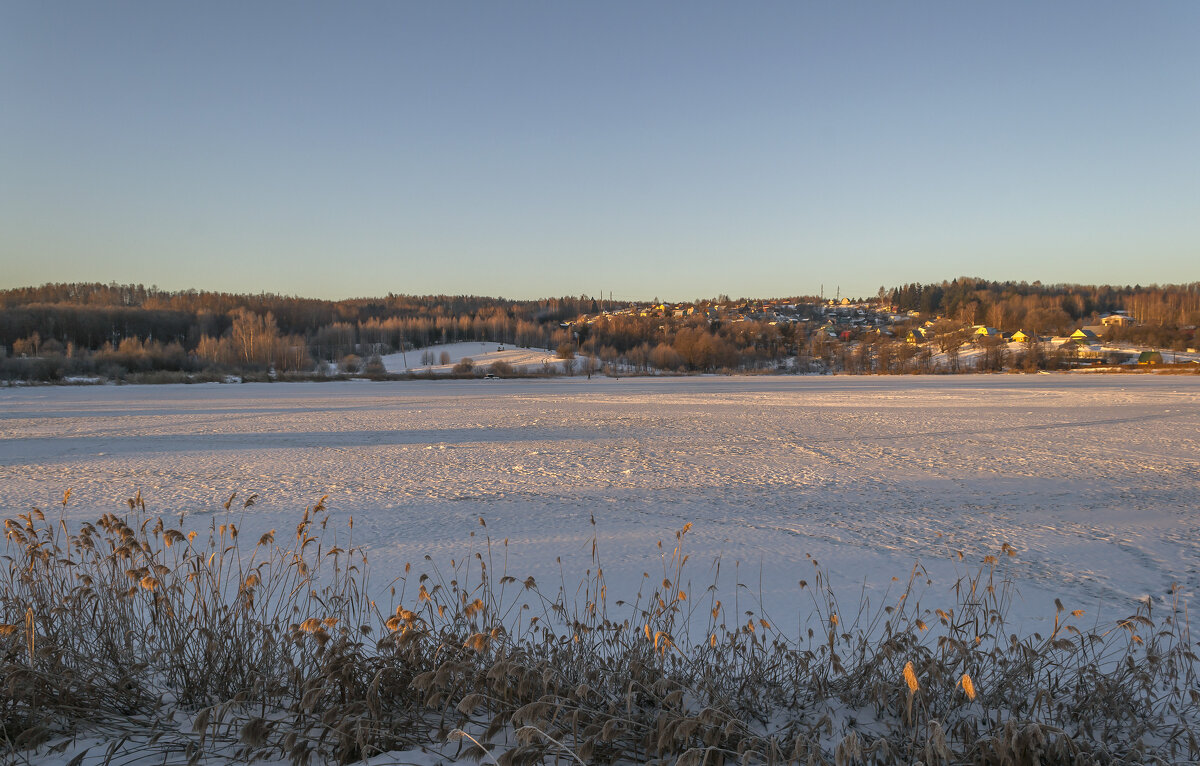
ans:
(663, 149)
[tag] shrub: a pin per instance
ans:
(351, 364)
(374, 367)
(502, 369)
(277, 651)
(465, 367)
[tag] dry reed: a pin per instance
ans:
(195, 645)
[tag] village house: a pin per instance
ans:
(917, 335)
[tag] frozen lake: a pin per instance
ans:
(1095, 480)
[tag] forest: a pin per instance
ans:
(134, 333)
(1047, 309)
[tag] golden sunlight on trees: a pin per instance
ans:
(253, 340)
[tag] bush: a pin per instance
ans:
(374, 367)
(159, 376)
(48, 368)
(276, 650)
(501, 369)
(351, 364)
(464, 368)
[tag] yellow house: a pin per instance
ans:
(1020, 336)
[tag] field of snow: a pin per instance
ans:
(1095, 480)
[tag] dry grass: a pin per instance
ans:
(189, 645)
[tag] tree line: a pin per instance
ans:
(134, 332)
(1048, 309)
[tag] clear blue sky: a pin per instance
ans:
(529, 149)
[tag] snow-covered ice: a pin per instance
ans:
(1095, 480)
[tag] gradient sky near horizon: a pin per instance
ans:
(530, 149)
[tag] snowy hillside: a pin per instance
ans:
(483, 355)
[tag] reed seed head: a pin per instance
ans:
(968, 686)
(910, 678)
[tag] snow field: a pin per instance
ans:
(1092, 480)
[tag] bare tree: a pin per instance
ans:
(254, 336)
